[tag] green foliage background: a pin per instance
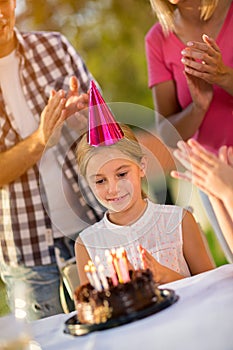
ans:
(109, 35)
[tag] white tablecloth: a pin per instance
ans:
(202, 319)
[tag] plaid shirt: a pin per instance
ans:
(47, 60)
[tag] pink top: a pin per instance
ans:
(164, 63)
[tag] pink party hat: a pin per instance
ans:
(103, 128)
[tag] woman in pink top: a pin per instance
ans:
(190, 66)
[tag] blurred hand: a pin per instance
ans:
(212, 174)
(52, 118)
(77, 108)
(226, 155)
(75, 102)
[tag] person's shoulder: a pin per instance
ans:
(42, 35)
(165, 208)
(92, 228)
(155, 31)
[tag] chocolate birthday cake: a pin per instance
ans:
(97, 306)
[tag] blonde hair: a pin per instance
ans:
(128, 145)
(164, 11)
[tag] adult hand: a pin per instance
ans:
(211, 174)
(226, 155)
(77, 107)
(75, 101)
(204, 60)
(201, 92)
(52, 118)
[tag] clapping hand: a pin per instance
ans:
(204, 60)
(210, 173)
(52, 118)
(76, 107)
(75, 102)
(203, 67)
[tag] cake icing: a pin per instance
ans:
(138, 293)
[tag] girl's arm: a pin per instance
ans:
(195, 251)
(195, 247)
(82, 258)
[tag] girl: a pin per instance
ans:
(170, 240)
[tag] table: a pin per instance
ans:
(202, 319)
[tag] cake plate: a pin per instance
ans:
(74, 327)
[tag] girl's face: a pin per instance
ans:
(115, 180)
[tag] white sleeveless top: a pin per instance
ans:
(159, 230)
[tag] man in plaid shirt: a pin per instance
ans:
(42, 199)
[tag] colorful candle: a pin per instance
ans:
(112, 271)
(103, 279)
(123, 265)
(89, 276)
(141, 252)
(116, 265)
(96, 280)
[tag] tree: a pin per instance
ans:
(109, 34)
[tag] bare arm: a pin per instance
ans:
(195, 251)
(224, 219)
(17, 160)
(82, 258)
(195, 247)
(185, 121)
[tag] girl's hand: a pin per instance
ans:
(161, 273)
(149, 262)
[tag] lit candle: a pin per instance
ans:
(112, 271)
(141, 252)
(97, 260)
(100, 270)
(123, 264)
(96, 281)
(89, 276)
(90, 263)
(116, 265)
(102, 276)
